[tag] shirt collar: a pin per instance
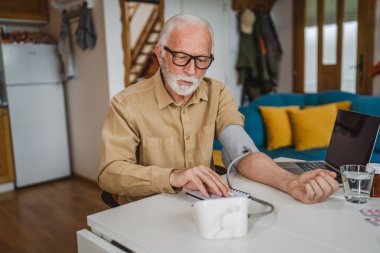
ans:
(199, 94)
(164, 99)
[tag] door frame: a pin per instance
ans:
(366, 40)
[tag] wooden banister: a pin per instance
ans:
(152, 20)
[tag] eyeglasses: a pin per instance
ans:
(182, 59)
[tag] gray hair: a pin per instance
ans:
(187, 19)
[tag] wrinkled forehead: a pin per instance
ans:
(190, 38)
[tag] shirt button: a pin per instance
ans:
(191, 164)
(187, 138)
(184, 111)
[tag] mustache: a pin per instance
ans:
(191, 79)
(178, 77)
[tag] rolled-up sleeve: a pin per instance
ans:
(228, 113)
(119, 172)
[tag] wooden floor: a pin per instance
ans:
(45, 218)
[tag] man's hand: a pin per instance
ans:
(200, 178)
(313, 186)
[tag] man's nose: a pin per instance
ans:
(191, 68)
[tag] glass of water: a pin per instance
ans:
(357, 182)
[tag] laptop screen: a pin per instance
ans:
(353, 139)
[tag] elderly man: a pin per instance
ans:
(159, 133)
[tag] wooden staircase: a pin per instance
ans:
(132, 8)
(143, 61)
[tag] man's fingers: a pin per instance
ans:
(210, 184)
(328, 172)
(307, 176)
(213, 181)
(213, 174)
(314, 186)
(199, 184)
(325, 187)
(310, 194)
(220, 183)
(326, 182)
(217, 185)
(200, 178)
(331, 181)
(317, 190)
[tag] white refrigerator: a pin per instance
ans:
(31, 73)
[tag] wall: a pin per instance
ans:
(282, 15)
(99, 76)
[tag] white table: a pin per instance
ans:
(164, 223)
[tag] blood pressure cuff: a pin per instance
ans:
(235, 142)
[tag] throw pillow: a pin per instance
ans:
(277, 125)
(344, 105)
(217, 155)
(312, 127)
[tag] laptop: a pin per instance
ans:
(352, 142)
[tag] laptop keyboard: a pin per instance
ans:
(311, 165)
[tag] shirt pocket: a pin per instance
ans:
(158, 151)
(206, 140)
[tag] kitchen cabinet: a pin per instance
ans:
(24, 10)
(6, 158)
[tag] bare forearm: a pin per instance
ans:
(261, 168)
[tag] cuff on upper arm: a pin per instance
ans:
(235, 142)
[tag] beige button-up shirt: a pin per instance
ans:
(146, 135)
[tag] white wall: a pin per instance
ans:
(114, 47)
(99, 76)
(282, 15)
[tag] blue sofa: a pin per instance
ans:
(255, 127)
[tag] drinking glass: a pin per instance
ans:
(357, 182)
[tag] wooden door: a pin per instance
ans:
(333, 45)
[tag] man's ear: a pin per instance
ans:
(158, 52)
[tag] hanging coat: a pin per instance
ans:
(65, 48)
(86, 33)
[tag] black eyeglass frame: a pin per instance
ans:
(191, 57)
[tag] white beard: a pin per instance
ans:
(182, 90)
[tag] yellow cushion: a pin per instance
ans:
(344, 105)
(277, 125)
(217, 155)
(312, 127)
